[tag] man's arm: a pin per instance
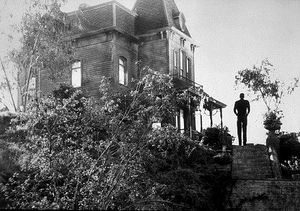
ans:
(235, 108)
(248, 108)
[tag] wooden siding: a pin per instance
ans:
(155, 55)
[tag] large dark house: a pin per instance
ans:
(117, 42)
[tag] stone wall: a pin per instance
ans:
(251, 162)
(265, 195)
(255, 185)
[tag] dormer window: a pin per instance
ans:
(180, 19)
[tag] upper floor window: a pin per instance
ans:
(76, 74)
(123, 74)
(175, 59)
(182, 41)
(188, 67)
(181, 62)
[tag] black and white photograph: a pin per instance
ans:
(150, 105)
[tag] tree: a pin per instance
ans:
(258, 81)
(8, 41)
(44, 45)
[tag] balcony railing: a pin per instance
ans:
(183, 82)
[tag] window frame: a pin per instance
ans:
(188, 67)
(175, 60)
(181, 121)
(124, 80)
(181, 62)
(76, 83)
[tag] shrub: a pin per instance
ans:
(216, 137)
(289, 154)
(184, 171)
(78, 154)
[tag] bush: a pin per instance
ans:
(289, 154)
(216, 137)
(184, 171)
(5, 121)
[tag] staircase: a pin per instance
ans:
(251, 162)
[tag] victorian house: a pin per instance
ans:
(114, 41)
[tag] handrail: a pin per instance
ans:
(188, 80)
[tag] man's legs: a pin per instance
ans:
(239, 130)
(245, 132)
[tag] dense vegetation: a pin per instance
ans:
(75, 153)
(289, 154)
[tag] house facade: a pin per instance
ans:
(116, 42)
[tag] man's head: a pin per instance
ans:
(242, 95)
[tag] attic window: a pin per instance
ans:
(180, 19)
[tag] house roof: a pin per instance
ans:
(146, 16)
(211, 103)
(99, 17)
(157, 14)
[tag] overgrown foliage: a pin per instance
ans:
(289, 154)
(80, 154)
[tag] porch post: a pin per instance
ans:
(210, 115)
(190, 117)
(201, 123)
(221, 116)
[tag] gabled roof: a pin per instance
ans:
(155, 14)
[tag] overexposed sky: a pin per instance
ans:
(232, 35)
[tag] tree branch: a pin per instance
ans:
(8, 85)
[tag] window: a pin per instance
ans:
(175, 60)
(181, 121)
(181, 62)
(76, 74)
(188, 67)
(182, 41)
(123, 75)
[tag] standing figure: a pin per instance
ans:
(241, 110)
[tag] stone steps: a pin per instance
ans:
(251, 162)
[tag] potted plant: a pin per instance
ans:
(272, 120)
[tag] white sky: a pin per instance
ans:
(233, 35)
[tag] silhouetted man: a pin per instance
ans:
(241, 110)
